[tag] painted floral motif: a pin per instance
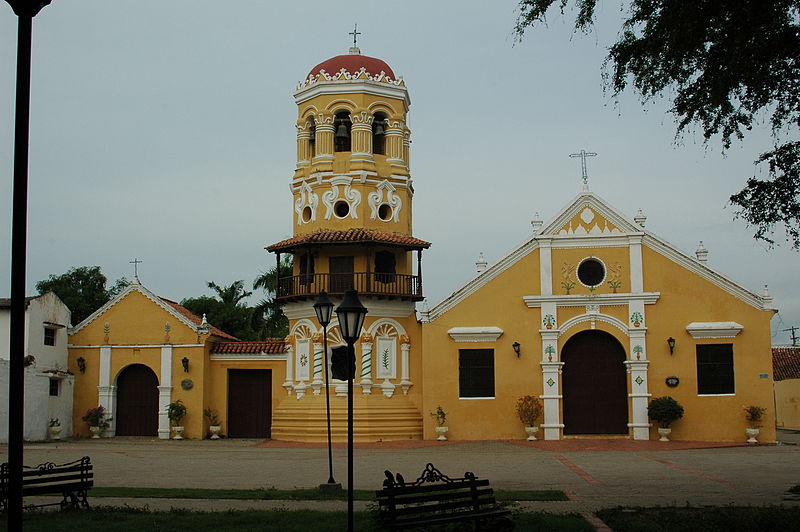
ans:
(566, 273)
(638, 380)
(550, 382)
(106, 331)
(304, 360)
(637, 319)
(385, 359)
(167, 329)
(637, 349)
(549, 321)
(614, 275)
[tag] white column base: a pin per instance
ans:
(366, 386)
(552, 432)
(387, 388)
(164, 399)
(406, 385)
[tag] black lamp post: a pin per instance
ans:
(25, 11)
(324, 309)
(351, 317)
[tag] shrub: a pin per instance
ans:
(754, 415)
(97, 417)
(211, 415)
(664, 411)
(176, 411)
(529, 408)
(440, 416)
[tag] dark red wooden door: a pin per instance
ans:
(136, 409)
(249, 403)
(341, 269)
(594, 389)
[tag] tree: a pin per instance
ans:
(268, 318)
(728, 64)
(82, 289)
(226, 311)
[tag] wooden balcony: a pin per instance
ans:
(383, 285)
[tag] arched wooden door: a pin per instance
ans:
(136, 410)
(594, 388)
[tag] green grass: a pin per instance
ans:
(722, 519)
(310, 494)
(109, 519)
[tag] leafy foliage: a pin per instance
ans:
(227, 311)
(728, 64)
(664, 411)
(268, 318)
(82, 289)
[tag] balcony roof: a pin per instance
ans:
(349, 236)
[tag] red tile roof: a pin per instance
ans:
(786, 363)
(352, 63)
(273, 346)
(351, 236)
(186, 313)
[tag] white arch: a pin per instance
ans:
(387, 321)
(605, 318)
(303, 322)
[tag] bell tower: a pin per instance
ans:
(352, 197)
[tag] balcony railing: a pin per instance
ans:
(391, 285)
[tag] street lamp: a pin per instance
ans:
(25, 11)
(351, 317)
(324, 309)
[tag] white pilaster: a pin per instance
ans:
(551, 377)
(287, 383)
(165, 392)
(635, 251)
(639, 398)
(405, 382)
(366, 367)
(105, 391)
(545, 268)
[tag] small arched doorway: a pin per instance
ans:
(137, 402)
(594, 388)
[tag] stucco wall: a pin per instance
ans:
(787, 403)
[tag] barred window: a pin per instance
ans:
(476, 372)
(715, 369)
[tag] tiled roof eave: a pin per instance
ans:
(364, 237)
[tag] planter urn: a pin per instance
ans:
(441, 431)
(664, 433)
(531, 430)
(95, 432)
(178, 431)
(214, 429)
(752, 432)
(54, 432)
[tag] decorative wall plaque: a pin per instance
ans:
(672, 382)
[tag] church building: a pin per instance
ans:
(593, 313)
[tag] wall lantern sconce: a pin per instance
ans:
(516, 347)
(671, 344)
(81, 364)
(185, 362)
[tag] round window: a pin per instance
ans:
(307, 214)
(385, 212)
(591, 272)
(341, 209)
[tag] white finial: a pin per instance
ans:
(537, 222)
(480, 264)
(204, 322)
(640, 218)
(702, 253)
(766, 297)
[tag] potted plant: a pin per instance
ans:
(97, 418)
(54, 428)
(440, 416)
(529, 408)
(176, 411)
(213, 422)
(664, 411)
(754, 415)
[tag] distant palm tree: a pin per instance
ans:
(232, 294)
(268, 318)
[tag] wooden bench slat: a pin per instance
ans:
(483, 494)
(54, 480)
(29, 472)
(448, 518)
(441, 507)
(42, 490)
(71, 481)
(458, 485)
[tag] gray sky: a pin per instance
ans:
(164, 131)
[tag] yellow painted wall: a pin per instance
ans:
(787, 403)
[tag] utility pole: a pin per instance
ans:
(794, 336)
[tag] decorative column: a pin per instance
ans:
(105, 391)
(324, 139)
(551, 373)
(361, 140)
(637, 368)
(405, 347)
(394, 142)
(635, 253)
(165, 392)
(287, 383)
(303, 151)
(546, 271)
(366, 364)
(316, 384)
(407, 147)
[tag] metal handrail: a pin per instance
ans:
(367, 283)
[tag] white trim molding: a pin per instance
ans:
(714, 329)
(475, 334)
(580, 300)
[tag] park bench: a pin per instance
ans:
(71, 480)
(434, 498)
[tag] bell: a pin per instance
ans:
(313, 136)
(341, 132)
(379, 129)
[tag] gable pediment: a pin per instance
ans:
(588, 215)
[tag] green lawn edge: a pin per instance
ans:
(307, 494)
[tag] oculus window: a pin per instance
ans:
(476, 372)
(715, 369)
(591, 272)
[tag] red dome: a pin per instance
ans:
(352, 63)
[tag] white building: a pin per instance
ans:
(48, 384)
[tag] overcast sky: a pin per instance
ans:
(164, 130)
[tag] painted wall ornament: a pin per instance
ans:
(352, 197)
(375, 200)
(306, 199)
(637, 350)
(549, 321)
(167, 329)
(566, 273)
(637, 319)
(615, 276)
(106, 332)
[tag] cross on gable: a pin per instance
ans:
(583, 155)
(136, 262)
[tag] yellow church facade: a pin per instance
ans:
(593, 314)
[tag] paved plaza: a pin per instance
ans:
(594, 473)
